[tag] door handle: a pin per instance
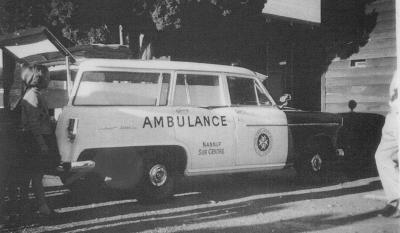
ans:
(240, 111)
(182, 111)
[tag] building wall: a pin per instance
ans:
(365, 76)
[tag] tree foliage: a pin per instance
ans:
(219, 31)
(172, 24)
(167, 14)
(199, 30)
(57, 15)
(170, 14)
(22, 14)
(346, 26)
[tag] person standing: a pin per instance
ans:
(387, 154)
(9, 121)
(38, 140)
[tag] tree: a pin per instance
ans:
(59, 16)
(22, 14)
(199, 30)
(309, 49)
(196, 30)
(220, 31)
(346, 26)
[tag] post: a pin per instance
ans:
(323, 93)
(121, 35)
(291, 71)
(69, 81)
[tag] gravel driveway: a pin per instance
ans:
(270, 202)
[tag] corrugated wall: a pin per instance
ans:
(366, 82)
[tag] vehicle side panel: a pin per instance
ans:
(303, 126)
(114, 127)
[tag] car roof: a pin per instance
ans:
(163, 65)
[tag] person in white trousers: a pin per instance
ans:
(387, 154)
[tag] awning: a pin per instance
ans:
(308, 11)
(32, 42)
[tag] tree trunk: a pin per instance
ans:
(134, 43)
(146, 48)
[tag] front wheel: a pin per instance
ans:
(311, 166)
(158, 181)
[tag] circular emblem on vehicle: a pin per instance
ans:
(263, 142)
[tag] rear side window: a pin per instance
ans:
(56, 93)
(198, 90)
(123, 88)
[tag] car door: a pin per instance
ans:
(204, 123)
(261, 127)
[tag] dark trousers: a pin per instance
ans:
(30, 167)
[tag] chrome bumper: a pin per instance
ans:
(79, 166)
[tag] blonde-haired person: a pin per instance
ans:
(387, 154)
(38, 140)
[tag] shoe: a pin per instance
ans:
(48, 216)
(396, 214)
(390, 209)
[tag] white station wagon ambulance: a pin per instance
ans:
(138, 125)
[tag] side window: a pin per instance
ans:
(57, 94)
(198, 90)
(242, 91)
(246, 91)
(122, 88)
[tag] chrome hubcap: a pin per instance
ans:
(316, 162)
(158, 175)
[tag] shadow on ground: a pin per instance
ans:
(295, 225)
(205, 199)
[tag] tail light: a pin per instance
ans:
(72, 128)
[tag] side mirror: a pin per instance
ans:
(285, 100)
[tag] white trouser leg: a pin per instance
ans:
(387, 158)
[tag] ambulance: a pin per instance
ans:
(140, 125)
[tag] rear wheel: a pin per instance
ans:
(310, 165)
(316, 163)
(313, 164)
(158, 181)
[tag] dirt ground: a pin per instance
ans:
(271, 202)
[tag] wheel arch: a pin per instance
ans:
(322, 142)
(176, 152)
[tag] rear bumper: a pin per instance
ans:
(79, 166)
(72, 171)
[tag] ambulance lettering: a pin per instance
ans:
(211, 148)
(184, 121)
